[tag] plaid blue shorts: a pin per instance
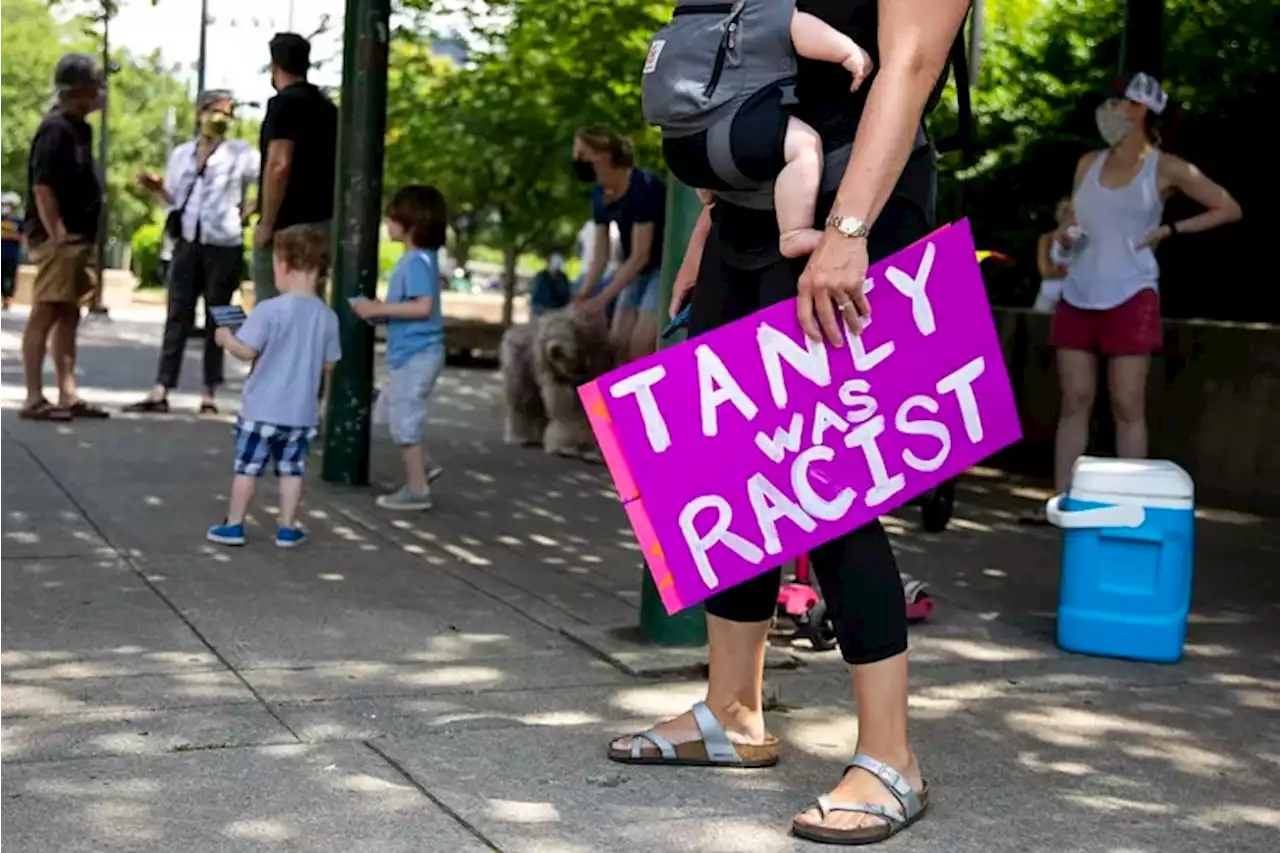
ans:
(258, 443)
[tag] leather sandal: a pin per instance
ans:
(149, 406)
(43, 410)
(87, 411)
(911, 807)
(712, 749)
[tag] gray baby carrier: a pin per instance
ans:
(707, 62)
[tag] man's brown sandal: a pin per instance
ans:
(87, 411)
(43, 411)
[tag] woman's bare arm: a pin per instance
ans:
(915, 37)
(1220, 207)
(597, 263)
(1044, 260)
(1063, 234)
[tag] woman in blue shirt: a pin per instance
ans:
(636, 200)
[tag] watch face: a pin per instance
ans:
(850, 226)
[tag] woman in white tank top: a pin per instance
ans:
(1110, 306)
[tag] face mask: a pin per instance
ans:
(215, 124)
(1112, 126)
(99, 101)
(584, 170)
(556, 262)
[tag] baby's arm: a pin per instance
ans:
(815, 39)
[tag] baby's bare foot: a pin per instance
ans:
(798, 243)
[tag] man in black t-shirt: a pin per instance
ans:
(64, 203)
(299, 147)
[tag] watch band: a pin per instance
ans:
(848, 226)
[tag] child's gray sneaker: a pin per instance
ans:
(406, 500)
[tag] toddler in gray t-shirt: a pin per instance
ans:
(292, 339)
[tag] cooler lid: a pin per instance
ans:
(1134, 478)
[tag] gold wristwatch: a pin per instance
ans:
(848, 226)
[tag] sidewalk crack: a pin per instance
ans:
(440, 804)
(128, 560)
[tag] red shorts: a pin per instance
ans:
(1131, 328)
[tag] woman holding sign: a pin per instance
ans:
(883, 202)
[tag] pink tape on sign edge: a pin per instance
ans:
(602, 426)
(653, 556)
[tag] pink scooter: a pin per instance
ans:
(800, 602)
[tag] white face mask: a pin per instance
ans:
(1112, 126)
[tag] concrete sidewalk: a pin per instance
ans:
(406, 683)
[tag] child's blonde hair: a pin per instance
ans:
(303, 248)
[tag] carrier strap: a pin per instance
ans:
(703, 9)
(720, 155)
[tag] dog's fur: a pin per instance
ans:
(543, 363)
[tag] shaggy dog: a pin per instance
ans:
(543, 363)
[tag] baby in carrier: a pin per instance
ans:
(718, 81)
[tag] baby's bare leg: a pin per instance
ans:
(795, 192)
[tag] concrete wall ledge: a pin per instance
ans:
(1213, 404)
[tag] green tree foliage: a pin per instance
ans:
(31, 42)
(496, 134)
(142, 90)
(1047, 65)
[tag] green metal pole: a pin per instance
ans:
(357, 214)
(1142, 45)
(689, 626)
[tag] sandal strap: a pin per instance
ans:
(665, 747)
(893, 781)
(826, 806)
(714, 739)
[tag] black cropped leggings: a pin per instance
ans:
(857, 572)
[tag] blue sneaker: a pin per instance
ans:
(290, 537)
(226, 534)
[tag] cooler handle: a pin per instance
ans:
(1120, 515)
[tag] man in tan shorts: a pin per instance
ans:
(65, 204)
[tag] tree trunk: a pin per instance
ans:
(509, 257)
(463, 238)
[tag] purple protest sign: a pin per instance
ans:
(747, 446)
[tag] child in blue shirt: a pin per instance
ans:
(416, 217)
(292, 339)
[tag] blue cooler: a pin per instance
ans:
(1128, 545)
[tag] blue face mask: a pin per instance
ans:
(556, 262)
